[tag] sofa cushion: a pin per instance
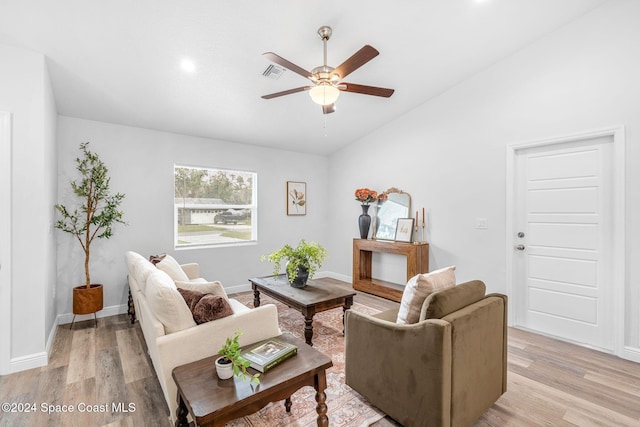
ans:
(170, 266)
(166, 303)
(442, 303)
(419, 288)
(203, 286)
(143, 269)
(206, 307)
(139, 268)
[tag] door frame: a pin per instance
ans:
(618, 258)
(5, 243)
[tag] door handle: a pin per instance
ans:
(520, 247)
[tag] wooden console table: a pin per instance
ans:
(417, 262)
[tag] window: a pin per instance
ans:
(214, 206)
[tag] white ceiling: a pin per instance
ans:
(118, 61)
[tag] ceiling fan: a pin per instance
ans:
(327, 81)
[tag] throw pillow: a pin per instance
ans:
(417, 290)
(205, 287)
(170, 266)
(206, 307)
(166, 303)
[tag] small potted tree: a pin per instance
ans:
(302, 261)
(231, 362)
(93, 219)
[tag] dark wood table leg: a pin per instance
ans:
(348, 302)
(256, 296)
(287, 404)
(321, 397)
(181, 413)
(308, 328)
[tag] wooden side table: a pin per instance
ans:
(214, 402)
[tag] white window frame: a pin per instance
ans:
(253, 207)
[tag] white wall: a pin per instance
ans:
(450, 152)
(25, 92)
(140, 163)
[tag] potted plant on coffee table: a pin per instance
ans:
(93, 219)
(302, 261)
(231, 362)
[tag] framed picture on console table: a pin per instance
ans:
(404, 230)
(296, 198)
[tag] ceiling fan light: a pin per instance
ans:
(324, 94)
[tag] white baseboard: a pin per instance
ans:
(30, 361)
(52, 337)
(631, 353)
(332, 275)
(113, 310)
(236, 289)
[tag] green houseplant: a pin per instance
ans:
(231, 362)
(302, 261)
(93, 219)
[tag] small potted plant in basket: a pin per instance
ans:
(302, 261)
(231, 362)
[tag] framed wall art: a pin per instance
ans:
(296, 198)
(404, 230)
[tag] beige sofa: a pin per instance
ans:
(176, 342)
(445, 371)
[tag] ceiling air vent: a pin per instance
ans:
(273, 72)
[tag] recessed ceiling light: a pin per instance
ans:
(188, 65)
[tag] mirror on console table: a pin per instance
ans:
(397, 205)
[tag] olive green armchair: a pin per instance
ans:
(445, 370)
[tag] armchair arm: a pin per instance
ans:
(192, 270)
(405, 370)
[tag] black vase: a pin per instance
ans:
(364, 222)
(301, 280)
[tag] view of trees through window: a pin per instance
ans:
(214, 206)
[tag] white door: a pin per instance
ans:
(563, 241)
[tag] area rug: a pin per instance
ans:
(345, 406)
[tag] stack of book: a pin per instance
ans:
(267, 354)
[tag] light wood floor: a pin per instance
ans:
(551, 383)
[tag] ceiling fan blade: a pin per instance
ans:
(287, 64)
(357, 60)
(286, 92)
(327, 109)
(367, 90)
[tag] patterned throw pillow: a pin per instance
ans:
(417, 290)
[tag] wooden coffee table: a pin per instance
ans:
(214, 402)
(317, 296)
